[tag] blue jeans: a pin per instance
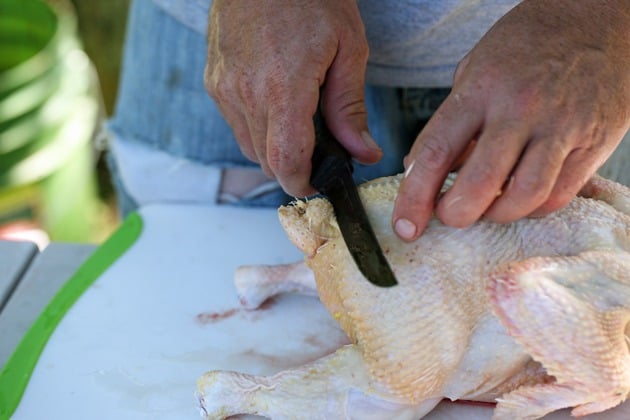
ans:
(162, 103)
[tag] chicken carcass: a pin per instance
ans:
(531, 314)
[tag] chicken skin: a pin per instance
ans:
(531, 315)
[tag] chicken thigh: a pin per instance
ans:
(531, 315)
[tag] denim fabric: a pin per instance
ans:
(412, 42)
(162, 103)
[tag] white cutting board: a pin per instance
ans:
(135, 343)
(165, 312)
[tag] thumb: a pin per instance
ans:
(343, 106)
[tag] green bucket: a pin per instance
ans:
(49, 109)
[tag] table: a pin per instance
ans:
(140, 335)
(185, 329)
(28, 280)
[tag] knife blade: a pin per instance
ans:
(332, 176)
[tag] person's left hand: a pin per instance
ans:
(546, 96)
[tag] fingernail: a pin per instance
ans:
(405, 228)
(369, 141)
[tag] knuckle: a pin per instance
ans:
(531, 186)
(435, 153)
(457, 101)
(218, 88)
(282, 163)
(527, 101)
(481, 174)
(350, 102)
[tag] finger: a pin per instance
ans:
(483, 174)
(290, 141)
(461, 159)
(461, 69)
(240, 128)
(442, 140)
(531, 182)
(257, 127)
(577, 169)
(231, 112)
(343, 102)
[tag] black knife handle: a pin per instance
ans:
(330, 160)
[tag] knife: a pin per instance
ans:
(332, 176)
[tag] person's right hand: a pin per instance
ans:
(266, 62)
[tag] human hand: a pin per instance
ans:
(546, 95)
(266, 63)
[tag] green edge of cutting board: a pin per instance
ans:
(15, 375)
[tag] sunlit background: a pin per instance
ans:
(59, 65)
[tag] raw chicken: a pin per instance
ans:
(532, 315)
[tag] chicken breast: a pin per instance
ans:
(532, 315)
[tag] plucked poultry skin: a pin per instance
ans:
(531, 314)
